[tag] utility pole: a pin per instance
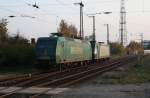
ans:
(93, 42)
(107, 32)
(94, 29)
(93, 17)
(81, 19)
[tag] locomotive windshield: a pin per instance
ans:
(46, 48)
(42, 43)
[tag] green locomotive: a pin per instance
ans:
(56, 51)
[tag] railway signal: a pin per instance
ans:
(81, 19)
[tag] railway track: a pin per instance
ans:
(28, 79)
(67, 77)
(84, 75)
(15, 80)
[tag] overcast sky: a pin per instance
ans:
(50, 13)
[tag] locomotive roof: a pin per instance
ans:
(61, 38)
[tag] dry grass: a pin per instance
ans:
(139, 73)
(131, 74)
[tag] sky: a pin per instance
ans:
(51, 12)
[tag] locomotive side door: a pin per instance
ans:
(63, 52)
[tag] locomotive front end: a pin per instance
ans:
(46, 50)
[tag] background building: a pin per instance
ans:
(146, 46)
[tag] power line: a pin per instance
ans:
(60, 2)
(24, 15)
(44, 12)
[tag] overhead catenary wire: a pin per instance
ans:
(62, 3)
(55, 14)
(18, 14)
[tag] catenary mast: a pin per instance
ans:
(122, 26)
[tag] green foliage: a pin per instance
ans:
(128, 74)
(3, 30)
(14, 51)
(17, 54)
(139, 74)
(116, 49)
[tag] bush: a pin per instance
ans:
(14, 51)
(116, 49)
(17, 54)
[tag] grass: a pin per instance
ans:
(139, 73)
(133, 74)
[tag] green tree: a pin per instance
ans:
(116, 49)
(16, 50)
(18, 39)
(19, 51)
(3, 30)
